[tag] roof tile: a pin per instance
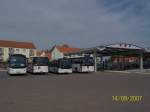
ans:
(67, 49)
(15, 44)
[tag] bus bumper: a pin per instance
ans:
(65, 71)
(87, 69)
(17, 71)
(40, 69)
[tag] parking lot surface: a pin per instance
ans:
(90, 92)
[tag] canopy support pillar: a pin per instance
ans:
(141, 62)
(95, 61)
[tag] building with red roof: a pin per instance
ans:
(8, 47)
(45, 54)
(59, 51)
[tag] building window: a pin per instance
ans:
(11, 51)
(1, 50)
(24, 50)
(17, 50)
(1, 54)
(31, 53)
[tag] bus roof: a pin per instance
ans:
(38, 57)
(17, 55)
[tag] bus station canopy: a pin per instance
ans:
(122, 49)
(113, 49)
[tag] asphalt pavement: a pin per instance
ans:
(73, 93)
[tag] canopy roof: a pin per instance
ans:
(113, 49)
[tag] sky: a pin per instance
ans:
(79, 23)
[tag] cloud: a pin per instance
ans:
(80, 23)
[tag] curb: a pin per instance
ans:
(127, 72)
(119, 72)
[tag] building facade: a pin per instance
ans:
(44, 54)
(59, 51)
(12, 47)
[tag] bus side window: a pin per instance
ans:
(27, 62)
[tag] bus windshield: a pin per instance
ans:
(40, 61)
(65, 64)
(17, 62)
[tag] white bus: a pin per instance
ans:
(83, 64)
(60, 66)
(17, 64)
(38, 64)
